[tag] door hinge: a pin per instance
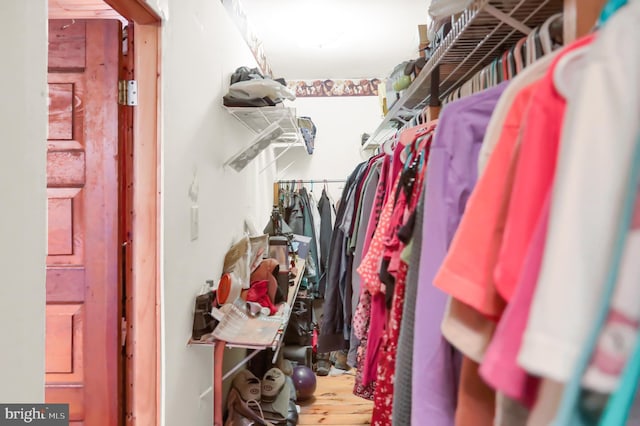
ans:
(123, 331)
(128, 92)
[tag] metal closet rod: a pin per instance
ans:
(312, 181)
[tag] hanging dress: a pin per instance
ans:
(411, 181)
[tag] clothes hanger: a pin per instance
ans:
(517, 53)
(466, 91)
(494, 72)
(556, 31)
(487, 76)
(505, 65)
(610, 9)
(531, 48)
(537, 47)
(387, 146)
(517, 67)
(549, 31)
(408, 134)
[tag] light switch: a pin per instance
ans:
(194, 222)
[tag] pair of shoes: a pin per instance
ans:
(243, 402)
(268, 399)
(250, 387)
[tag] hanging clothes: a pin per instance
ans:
(333, 335)
(369, 270)
(451, 175)
(402, 398)
(309, 230)
(502, 289)
(365, 211)
(411, 180)
(325, 208)
(298, 215)
(365, 383)
(316, 220)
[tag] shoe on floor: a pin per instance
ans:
(247, 385)
(272, 383)
(340, 360)
(323, 364)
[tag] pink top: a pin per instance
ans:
(534, 176)
(500, 368)
(524, 237)
(381, 191)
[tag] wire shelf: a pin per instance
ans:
(257, 119)
(475, 39)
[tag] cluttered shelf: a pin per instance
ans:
(274, 126)
(239, 330)
(479, 34)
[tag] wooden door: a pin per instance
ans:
(82, 329)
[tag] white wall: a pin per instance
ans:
(23, 120)
(340, 122)
(200, 49)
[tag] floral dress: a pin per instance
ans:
(383, 397)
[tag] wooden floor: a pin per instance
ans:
(335, 404)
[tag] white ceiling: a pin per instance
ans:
(313, 39)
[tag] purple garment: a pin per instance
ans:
(451, 175)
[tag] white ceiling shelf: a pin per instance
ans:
(483, 31)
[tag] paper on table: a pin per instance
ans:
(238, 328)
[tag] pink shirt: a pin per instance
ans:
(525, 234)
(534, 176)
(500, 368)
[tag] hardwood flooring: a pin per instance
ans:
(335, 404)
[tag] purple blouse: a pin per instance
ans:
(451, 175)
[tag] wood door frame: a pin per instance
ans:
(143, 360)
(142, 369)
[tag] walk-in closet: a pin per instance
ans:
(294, 212)
(457, 231)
